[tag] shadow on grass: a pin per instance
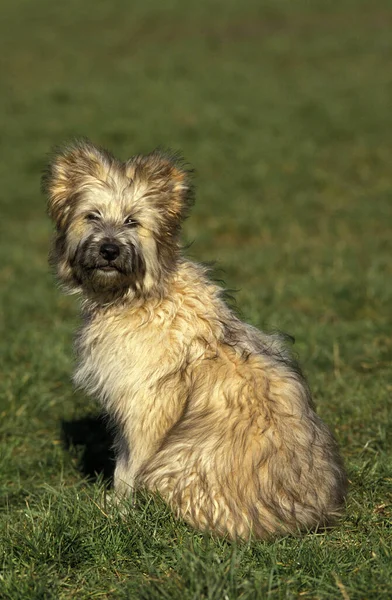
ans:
(93, 440)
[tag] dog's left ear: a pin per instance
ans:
(71, 169)
(169, 182)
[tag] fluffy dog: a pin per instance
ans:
(209, 412)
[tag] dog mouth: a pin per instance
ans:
(108, 268)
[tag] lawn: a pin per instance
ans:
(284, 109)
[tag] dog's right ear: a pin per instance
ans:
(71, 168)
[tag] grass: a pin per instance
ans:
(284, 109)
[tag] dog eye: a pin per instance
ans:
(92, 217)
(130, 222)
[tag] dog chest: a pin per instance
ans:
(119, 358)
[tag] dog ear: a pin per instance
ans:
(71, 168)
(168, 181)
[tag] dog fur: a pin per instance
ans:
(210, 412)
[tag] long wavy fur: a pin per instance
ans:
(210, 412)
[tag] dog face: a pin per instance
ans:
(117, 223)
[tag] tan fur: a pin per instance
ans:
(210, 412)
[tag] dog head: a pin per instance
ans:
(117, 223)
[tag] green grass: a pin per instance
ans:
(284, 109)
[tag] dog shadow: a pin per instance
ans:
(91, 440)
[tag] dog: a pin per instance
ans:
(210, 413)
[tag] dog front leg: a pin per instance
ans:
(124, 473)
(123, 477)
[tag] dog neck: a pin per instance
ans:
(135, 296)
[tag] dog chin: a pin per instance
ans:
(107, 271)
(106, 277)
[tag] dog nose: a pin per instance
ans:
(109, 251)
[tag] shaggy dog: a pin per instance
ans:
(209, 412)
